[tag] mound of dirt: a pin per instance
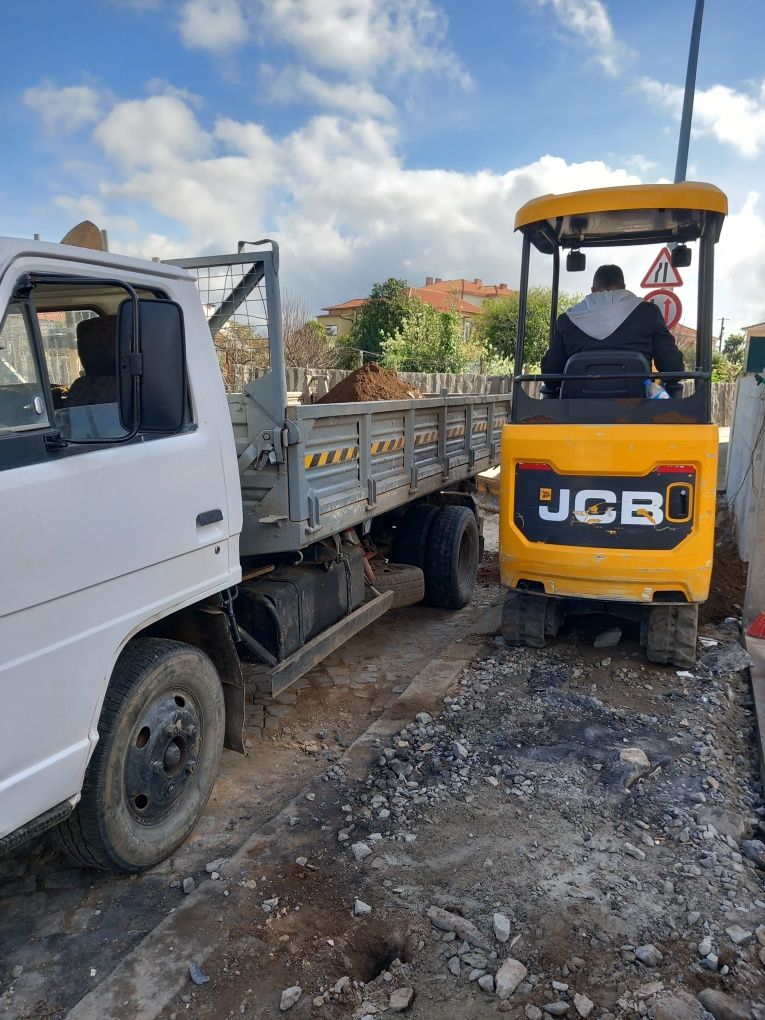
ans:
(726, 591)
(372, 382)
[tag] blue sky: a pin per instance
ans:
(373, 137)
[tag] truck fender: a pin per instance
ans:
(206, 626)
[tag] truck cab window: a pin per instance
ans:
(80, 348)
(22, 403)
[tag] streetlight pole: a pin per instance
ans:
(681, 166)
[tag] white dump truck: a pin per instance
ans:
(158, 532)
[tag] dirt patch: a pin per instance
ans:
(515, 802)
(372, 382)
(726, 592)
(488, 569)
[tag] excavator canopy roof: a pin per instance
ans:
(634, 214)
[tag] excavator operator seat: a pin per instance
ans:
(605, 363)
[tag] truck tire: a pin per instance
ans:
(451, 557)
(524, 620)
(151, 773)
(407, 583)
(671, 635)
(412, 533)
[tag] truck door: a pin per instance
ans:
(97, 540)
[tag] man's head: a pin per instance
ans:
(607, 278)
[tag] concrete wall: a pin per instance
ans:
(427, 382)
(746, 488)
(723, 394)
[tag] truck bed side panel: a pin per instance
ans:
(346, 463)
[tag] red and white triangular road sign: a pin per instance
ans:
(662, 273)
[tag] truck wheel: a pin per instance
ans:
(524, 620)
(671, 635)
(407, 583)
(451, 558)
(412, 534)
(151, 773)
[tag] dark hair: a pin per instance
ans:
(608, 276)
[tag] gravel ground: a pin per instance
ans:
(576, 834)
(573, 832)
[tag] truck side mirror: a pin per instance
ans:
(576, 262)
(159, 365)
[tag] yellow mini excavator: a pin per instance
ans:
(607, 495)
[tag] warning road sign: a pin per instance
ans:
(668, 303)
(662, 273)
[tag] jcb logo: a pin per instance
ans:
(601, 506)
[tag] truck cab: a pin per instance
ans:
(110, 524)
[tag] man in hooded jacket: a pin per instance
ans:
(612, 318)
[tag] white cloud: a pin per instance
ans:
(734, 118)
(298, 84)
(740, 266)
(216, 25)
(589, 19)
(335, 193)
(367, 35)
(65, 109)
(159, 131)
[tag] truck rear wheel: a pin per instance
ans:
(451, 557)
(407, 583)
(671, 634)
(150, 776)
(524, 620)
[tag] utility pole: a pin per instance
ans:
(722, 333)
(681, 167)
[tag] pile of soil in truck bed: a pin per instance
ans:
(372, 382)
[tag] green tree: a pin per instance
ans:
(733, 349)
(426, 341)
(381, 316)
(496, 326)
(722, 369)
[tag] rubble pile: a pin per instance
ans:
(618, 859)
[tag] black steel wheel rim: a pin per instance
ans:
(162, 756)
(466, 555)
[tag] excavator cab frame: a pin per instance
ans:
(607, 502)
(669, 214)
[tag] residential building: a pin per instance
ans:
(685, 337)
(758, 329)
(475, 292)
(339, 319)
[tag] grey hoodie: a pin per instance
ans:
(599, 314)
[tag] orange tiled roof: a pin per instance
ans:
(443, 302)
(463, 287)
(356, 302)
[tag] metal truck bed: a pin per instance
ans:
(308, 472)
(346, 463)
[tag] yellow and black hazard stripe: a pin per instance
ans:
(423, 438)
(388, 445)
(340, 456)
(346, 453)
